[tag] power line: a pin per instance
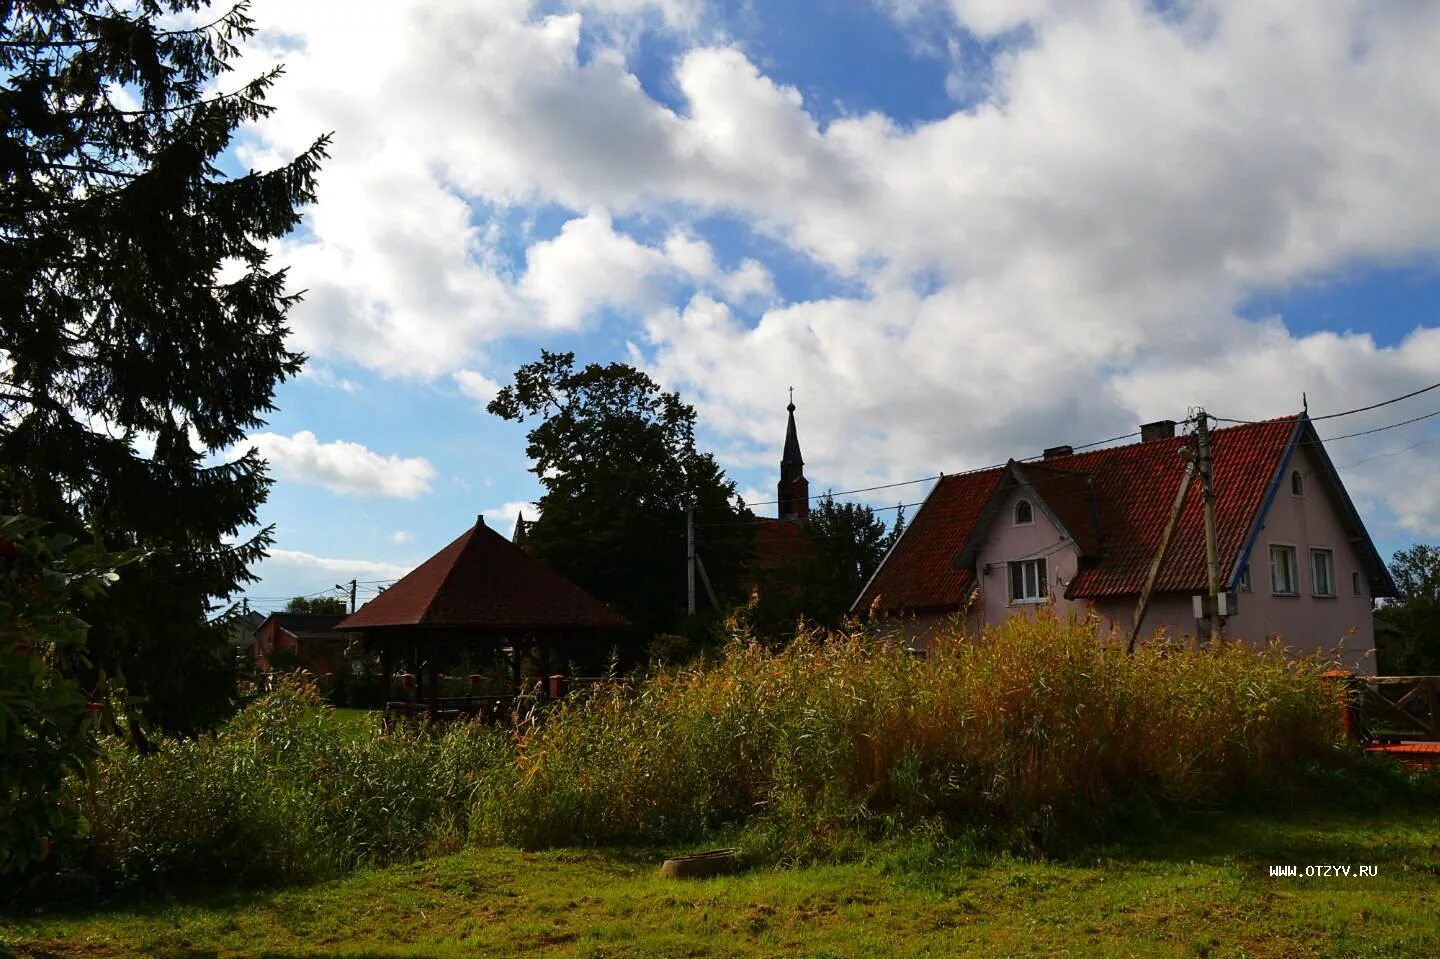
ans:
(939, 476)
(1374, 406)
(1381, 429)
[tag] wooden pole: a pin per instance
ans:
(1160, 554)
(1212, 550)
(690, 558)
(705, 581)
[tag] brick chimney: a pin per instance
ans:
(1158, 430)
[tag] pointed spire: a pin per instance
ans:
(791, 456)
(793, 490)
(518, 537)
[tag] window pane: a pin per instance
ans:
(1322, 572)
(1041, 584)
(1282, 569)
(1017, 585)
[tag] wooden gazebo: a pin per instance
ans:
(481, 595)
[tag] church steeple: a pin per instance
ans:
(793, 490)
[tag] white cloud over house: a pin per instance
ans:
(1055, 262)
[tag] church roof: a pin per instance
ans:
(792, 442)
(484, 581)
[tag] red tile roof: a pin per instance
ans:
(1134, 490)
(778, 543)
(483, 581)
(919, 573)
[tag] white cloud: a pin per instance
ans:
(343, 567)
(588, 266)
(400, 537)
(324, 376)
(1082, 234)
(344, 467)
(476, 385)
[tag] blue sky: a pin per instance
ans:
(962, 229)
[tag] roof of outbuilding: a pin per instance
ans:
(304, 625)
(483, 581)
(1114, 503)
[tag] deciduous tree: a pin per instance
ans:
(618, 461)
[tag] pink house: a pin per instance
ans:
(1078, 532)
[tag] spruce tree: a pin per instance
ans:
(138, 310)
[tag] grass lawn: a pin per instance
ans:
(1201, 890)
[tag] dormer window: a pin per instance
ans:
(1024, 513)
(1297, 484)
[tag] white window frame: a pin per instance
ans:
(1296, 477)
(1246, 585)
(1015, 513)
(1357, 583)
(1037, 579)
(1294, 578)
(1317, 552)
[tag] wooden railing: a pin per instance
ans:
(1397, 708)
(488, 709)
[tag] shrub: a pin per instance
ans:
(280, 792)
(1035, 734)
(1037, 731)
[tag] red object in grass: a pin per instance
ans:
(23, 647)
(7, 548)
(407, 680)
(474, 679)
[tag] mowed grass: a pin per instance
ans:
(1194, 889)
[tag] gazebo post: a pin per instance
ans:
(386, 668)
(433, 662)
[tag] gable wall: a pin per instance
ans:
(1305, 622)
(1006, 542)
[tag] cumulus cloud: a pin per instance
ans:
(344, 467)
(400, 537)
(476, 385)
(1059, 260)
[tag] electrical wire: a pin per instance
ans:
(1374, 406)
(1381, 429)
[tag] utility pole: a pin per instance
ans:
(1206, 463)
(1166, 537)
(351, 587)
(690, 557)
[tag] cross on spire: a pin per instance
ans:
(791, 407)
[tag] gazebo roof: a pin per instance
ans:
(482, 581)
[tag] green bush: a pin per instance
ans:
(281, 792)
(1037, 733)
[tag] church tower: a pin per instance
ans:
(793, 489)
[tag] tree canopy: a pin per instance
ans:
(1407, 632)
(142, 327)
(317, 605)
(846, 544)
(617, 458)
